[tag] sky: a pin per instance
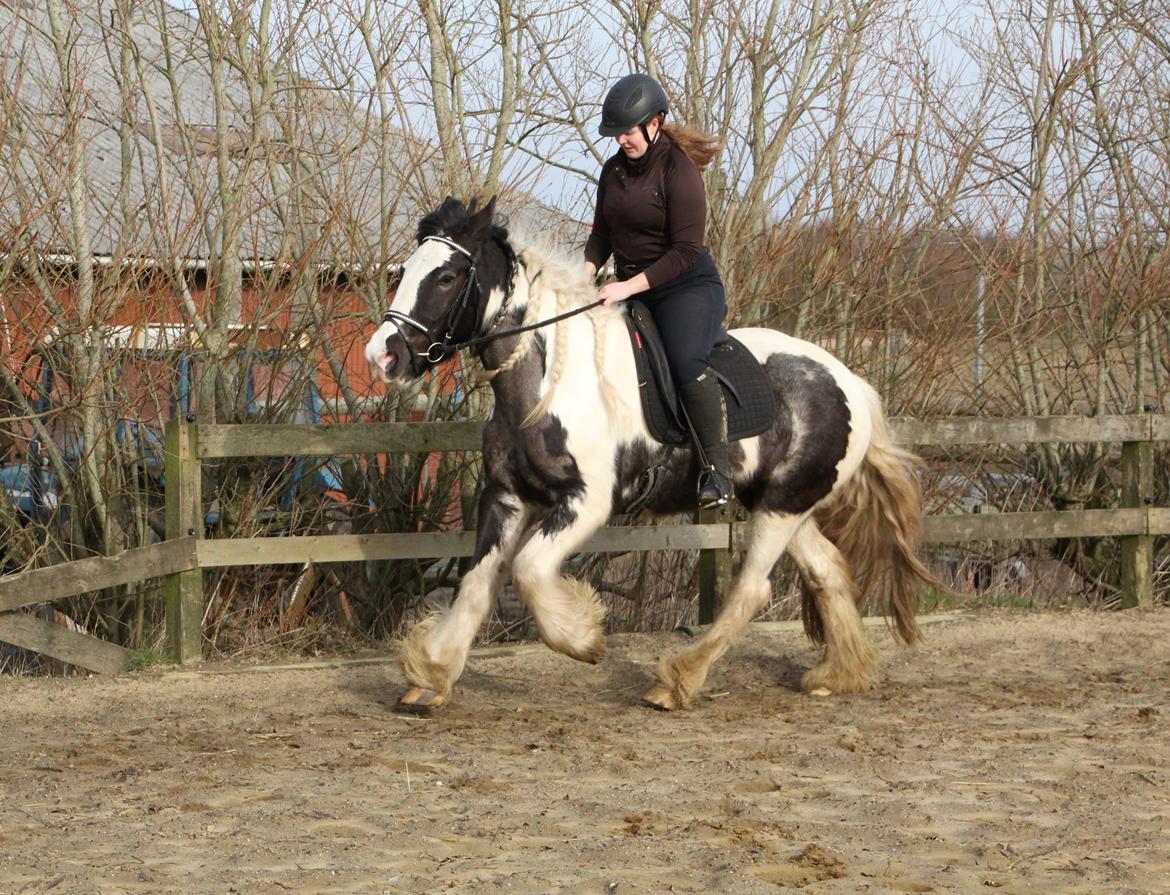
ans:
(947, 32)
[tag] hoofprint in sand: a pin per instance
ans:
(1011, 753)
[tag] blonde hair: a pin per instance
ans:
(698, 146)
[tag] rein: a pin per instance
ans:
(489, 337)
(443, 347)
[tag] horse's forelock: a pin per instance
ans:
(449, 219)
(453, 219)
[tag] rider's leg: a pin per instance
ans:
(703, 403)
(689, 317)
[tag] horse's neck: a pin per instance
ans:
(565, 370)
(574, 336)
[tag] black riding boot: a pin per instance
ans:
(703, 402)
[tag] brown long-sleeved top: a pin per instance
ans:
(651, 212)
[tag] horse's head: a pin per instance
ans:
(442, 292)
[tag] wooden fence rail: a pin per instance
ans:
(79, 577)
(186, 553)
(1136, 523)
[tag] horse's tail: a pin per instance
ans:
(875, 520)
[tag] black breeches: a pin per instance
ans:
(688, 312)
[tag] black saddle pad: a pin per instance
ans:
(751, 404)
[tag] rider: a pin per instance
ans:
(651, 215)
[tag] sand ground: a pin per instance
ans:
(1019, 753)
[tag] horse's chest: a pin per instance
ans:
(534, 462)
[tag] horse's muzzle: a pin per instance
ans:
(384, 368)
(385, 353)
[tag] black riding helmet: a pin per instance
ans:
(632, 101)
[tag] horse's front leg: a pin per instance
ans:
(435, 651)
(568, 613)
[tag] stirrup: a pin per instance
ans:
(715, 489)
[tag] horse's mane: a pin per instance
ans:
(554, 267)
(540, 251)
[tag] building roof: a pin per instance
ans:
(151, 153)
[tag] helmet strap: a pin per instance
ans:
(646, 130)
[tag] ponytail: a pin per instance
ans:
(698, 146)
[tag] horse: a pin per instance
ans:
(566, 442)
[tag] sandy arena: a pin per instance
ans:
(1019, 753)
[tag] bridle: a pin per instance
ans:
(440, 346)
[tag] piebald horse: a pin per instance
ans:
(566, 442)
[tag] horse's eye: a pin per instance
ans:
(446, 278)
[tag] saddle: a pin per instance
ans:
(751, 404)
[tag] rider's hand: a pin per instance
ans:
(612, 293)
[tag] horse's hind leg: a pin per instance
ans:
(683, 676)
(435, 651)
(830, 593)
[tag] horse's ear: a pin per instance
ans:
(481, 221)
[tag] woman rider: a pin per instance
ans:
(651, 215)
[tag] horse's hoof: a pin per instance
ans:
(826, 680)
(418, 701)
(594, 653)
(590, 653)
(662, 698)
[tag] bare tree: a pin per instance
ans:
(970, 211)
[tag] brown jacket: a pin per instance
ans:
(651, 213)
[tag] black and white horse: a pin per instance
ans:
(566, 442)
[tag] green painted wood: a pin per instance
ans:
(1159, 520)
(96, 573)
(214, 553)
(433, 545)
(715, 537)
(341, 438)
(1033, 526)
(1137, 550)
(624, 538)
(467, 435)
(1019, 430)
(1159, 427)
(714, 565)
(188, 443)
(955, 529)
(58, 642)
(184, 519)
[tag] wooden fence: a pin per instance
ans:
(185, 553)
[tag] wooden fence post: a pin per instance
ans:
(184, 516)
(714, 566)
(1137, 551)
